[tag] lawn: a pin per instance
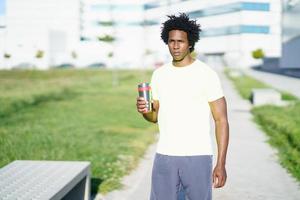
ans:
(74, 115)
(244, 84)
(281, 124)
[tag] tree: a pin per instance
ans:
(110, 54)
(39, 54)
(148, 52)
(74, 54)
(258, 54)
(110, 39)
(106, 38)
(106, 23)
(6, 55)
(194, 55)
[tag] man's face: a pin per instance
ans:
(178, 44)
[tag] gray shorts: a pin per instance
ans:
(173, 174)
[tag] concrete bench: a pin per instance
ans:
(263, 96)
(41, 180)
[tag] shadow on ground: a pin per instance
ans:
(95, 182)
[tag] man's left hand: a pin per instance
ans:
(219, 176)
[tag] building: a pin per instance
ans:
(39, 33)
(120, 33)
(290, 35)
(231, 29)
(73, 35)
(2, 33)
(111, 33)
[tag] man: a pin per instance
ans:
(185, 92)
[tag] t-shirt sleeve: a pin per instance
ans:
(154, 86)
(214, 87)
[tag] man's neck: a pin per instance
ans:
(184, 62)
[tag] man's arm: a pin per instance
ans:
(141, 107)
(219, 112)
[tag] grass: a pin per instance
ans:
(74, 115)
(281, 124)
(244, 84)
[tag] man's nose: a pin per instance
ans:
(176, 45)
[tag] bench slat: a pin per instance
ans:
(41, 179)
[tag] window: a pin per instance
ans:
(229, 8)
(231, 30)
(256, 6)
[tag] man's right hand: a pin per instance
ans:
(141, 105)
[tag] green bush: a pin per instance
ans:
(258, 54)
(39, 54)
(6, 55)
(282, 125)
(106, 38)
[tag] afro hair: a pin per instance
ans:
(183, 23)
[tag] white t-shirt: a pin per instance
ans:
(184, 112)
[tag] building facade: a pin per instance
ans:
(39, 33)
(112, 33)
(127, 33)
(231, 29)
(290, 35)
(3, 55)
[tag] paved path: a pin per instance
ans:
(252, 167)
(281, 82)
